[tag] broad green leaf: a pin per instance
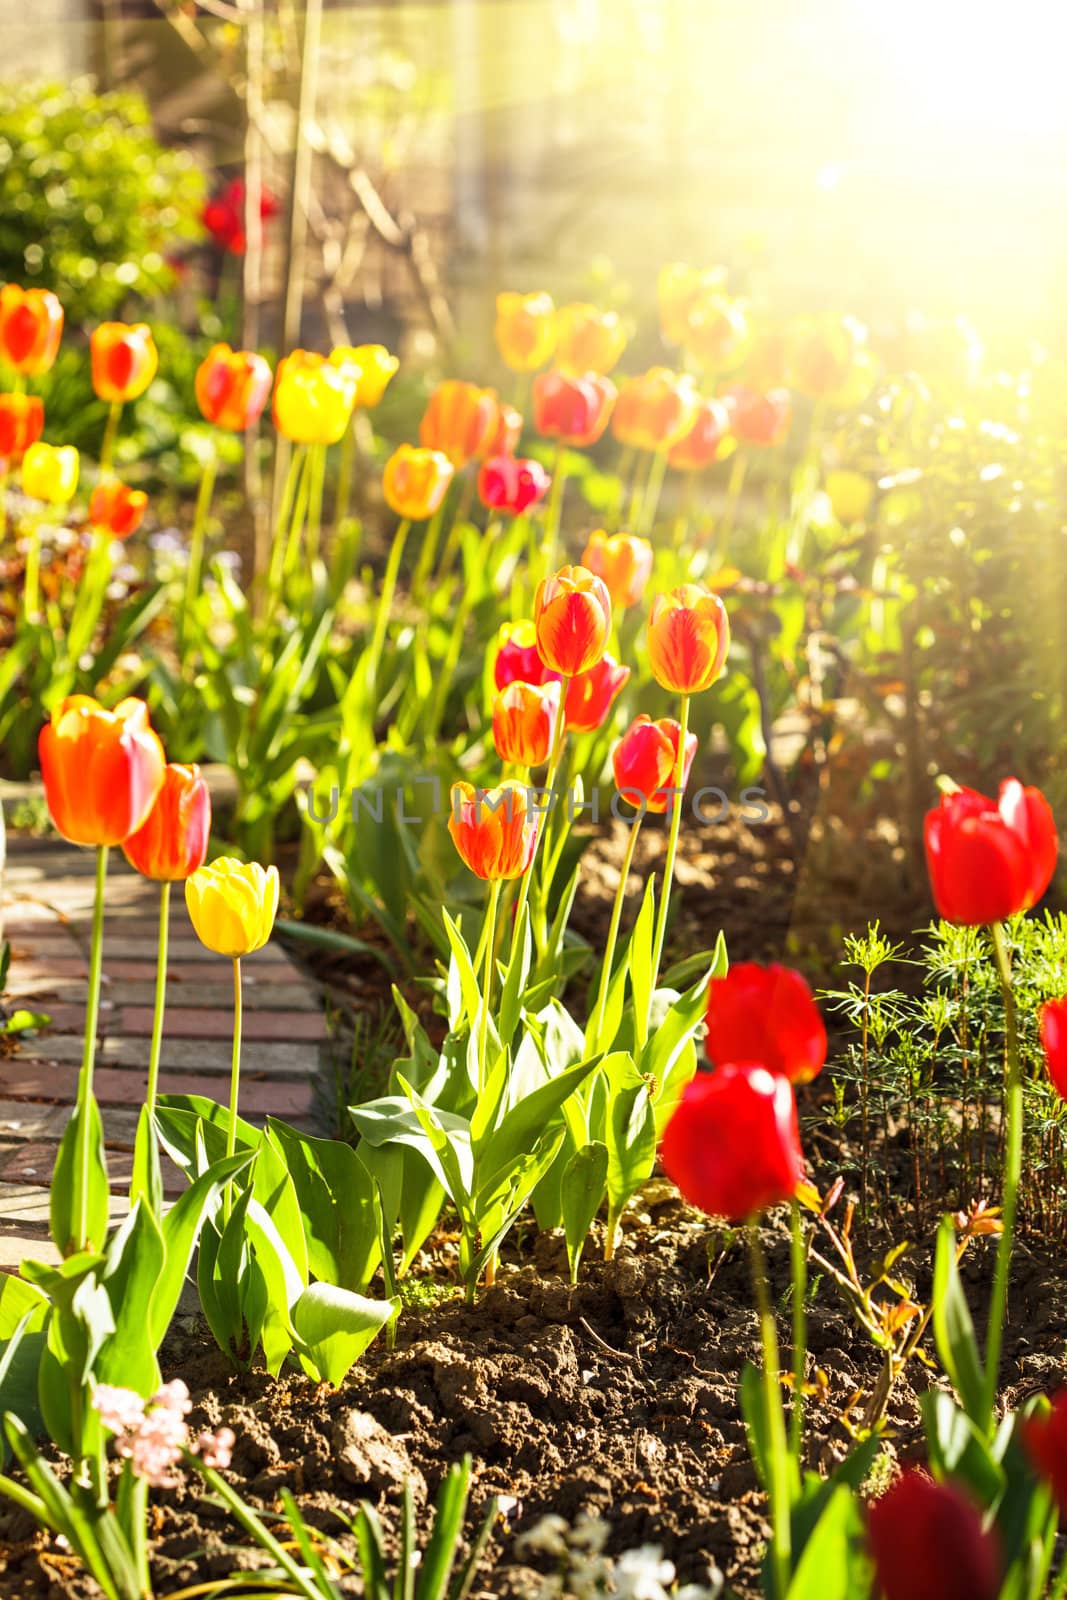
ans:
(131, 1269)
(338, 1204)
(639, 958)
(954, 1330)
(827, 1568)
(582, 1190)
(181, 1227)
(959, 1449)
(147, 1180)
(526, 1123)
(65, 1177)
(20, 1363)
(336, 1327)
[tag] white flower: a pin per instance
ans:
(642, 1574)
(547, 1537)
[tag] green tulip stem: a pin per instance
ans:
(777, 1449)
(653, 490)
(613, 932)
(672, 845)
(278, 546)
(738, 469)
(553, 512)
(235, 1075)
(487, 983)
(799, 1265)
(161, 996)
(428, 553)
(31, 581)
(193, 571)
(317, 479)
(111, 429)
(541, 819)
(385, 603)
(85, 1079)
(1013, 1167)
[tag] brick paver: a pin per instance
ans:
(46, 918)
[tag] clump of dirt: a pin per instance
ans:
(617, 1397)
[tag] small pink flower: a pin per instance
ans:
(215, 1449)
(173, 1396)
(156, 1446)
(120, 1410)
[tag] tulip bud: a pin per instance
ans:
(518, 659)
(732, 1145)
(312, 399)
(460, 421)
(116, 509)
(232, 905)
(493, 829)
(765, 1014)
(415, 481)
(645, 762)
(591, 695)
(524, 722)
(31, 325)
(655, 410)
(989, 859)
(929, 1543)
(124, 359)
(374, 367)
(623, 560)
(1053, 1022)
(572, 615)
(102, 770)
(688, 637)
(232, 387)
(588, 340)
(573, 410)
(512, 485)
(709, 439)
(21, 424)
(850, 495)
(50, 473)
(171, 843)
(525, 330)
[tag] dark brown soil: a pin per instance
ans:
(618, 1397)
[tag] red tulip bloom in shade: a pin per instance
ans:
(1054, 1043)
(511, 484)
(688, 637)
(493, 829)
(124, 359)
(460, 421)
(31, 325)
(573, 410)
(759, 419)
(21, 424)
(709, 439)
(988, 859)
(655, 410)
(171, 844)
(623, 560)
(572, 615)
(928, 1543)
(766, 1014)
(116, 509)
(232, 387)
(518, 659)
(1044, 1439)
(591, 695)
(645, 761)
(102, 770)
(224, 217)
(732, 1145)
(524, 722)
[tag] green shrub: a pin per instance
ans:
(91, 205)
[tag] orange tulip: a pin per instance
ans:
(506, 434)
(460, 421)
(591, 695)
(709, 439)
(21, 424)
(102, 770)
(645, 762)
(588, 340)
(573, 410)
(572, 615)
(524, 722)
(688, 637)
(171, 844)
(493, 829)
(31, 324)
(623, 561)
(124, 359)
(525, 330)
(415, 481)
(116, 509)
(232, 387)
(758, 418)
(655, 410)
(680, 288)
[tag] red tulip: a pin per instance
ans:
(524, 722)
(572, 615)
(21, 424)
(760, 419)
(512, 485)
(123, 359)
(102, 770)
(573, 410)
(766, 1014)
(928, 1543)
(518, 659)
(655, 410)
(989, 859)
(493, 829)
(232, 387)
(732, 1145)
(688, 637)
(171, 844)
(709, 439)
(31, 325)
(645, 762)
(117, 509)
(591, 695)
(224, 217)
(1045, 1442)
(1054, 1043)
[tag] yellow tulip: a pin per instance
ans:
(850, 495)
(374, 367)
(50, 473)
(232, 905)
(312, 399)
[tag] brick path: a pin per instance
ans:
(47, 912)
